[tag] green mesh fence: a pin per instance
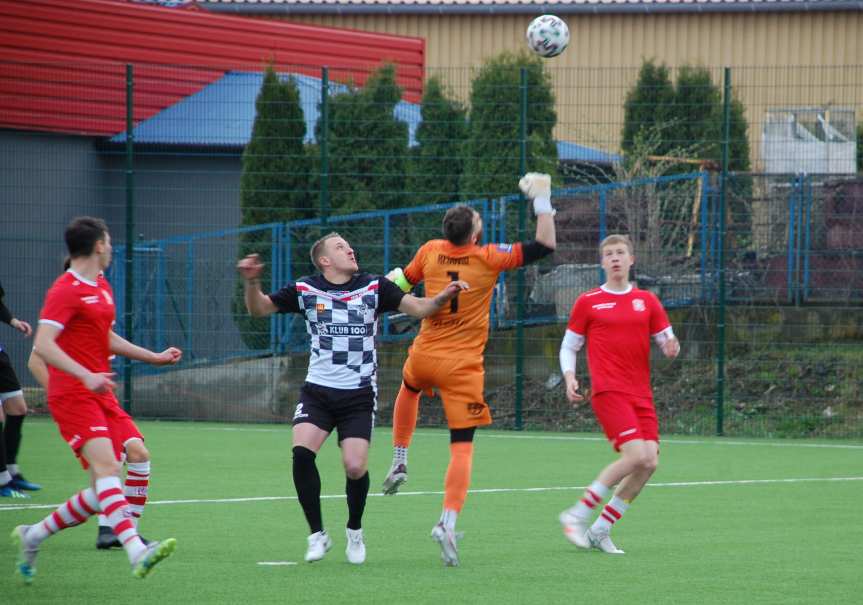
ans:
(740, 188)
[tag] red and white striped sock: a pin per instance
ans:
(593, 497)
(74, 511)
(137, 482)
(114, 506)
(610, 515)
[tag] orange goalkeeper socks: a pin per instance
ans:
(458, 475)
(405, 416)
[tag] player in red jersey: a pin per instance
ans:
(617, 320)
(75, 339)
(136, 456)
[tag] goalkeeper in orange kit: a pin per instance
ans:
(447, 354)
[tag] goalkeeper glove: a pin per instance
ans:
(397, 276)
(537, 186)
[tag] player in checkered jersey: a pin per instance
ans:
(617, 320)
(341, 307)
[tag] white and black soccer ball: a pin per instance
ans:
(547, 36)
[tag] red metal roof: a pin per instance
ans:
(62, 64)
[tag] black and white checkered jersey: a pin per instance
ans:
(342, 322)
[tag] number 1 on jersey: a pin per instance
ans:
(453, 304)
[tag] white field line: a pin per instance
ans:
(534, 436)
(718, 441)
(491, 490)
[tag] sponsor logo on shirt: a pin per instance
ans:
(320, 307)
(90, 300)
(343, 329)
(504, 247)
(638, 304)
(608, 305)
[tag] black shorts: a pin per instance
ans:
(9, 385)
(351, 411)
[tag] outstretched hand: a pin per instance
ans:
(535, 184)
(250, 267)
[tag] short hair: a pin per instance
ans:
(458, 224)
(82, 234)
(318, 246)
(617, 238)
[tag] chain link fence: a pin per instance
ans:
(740, 188)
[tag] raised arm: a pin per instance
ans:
(537, 187)
(258, 304)
(423, 307)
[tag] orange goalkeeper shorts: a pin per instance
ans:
(460, 383)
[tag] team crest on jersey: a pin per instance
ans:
(638, 304)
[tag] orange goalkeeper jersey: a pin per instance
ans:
(461, 328)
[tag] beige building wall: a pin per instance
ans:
(778, 59)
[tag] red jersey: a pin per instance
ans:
(84, 312)
(618, 329)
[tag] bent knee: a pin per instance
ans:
(136, 451)
(647, 463)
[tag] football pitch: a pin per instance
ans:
(722, 521)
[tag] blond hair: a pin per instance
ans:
(317, 249)
(617, 238)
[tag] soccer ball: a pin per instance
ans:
(547, 36)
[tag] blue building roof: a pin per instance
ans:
(222, 114)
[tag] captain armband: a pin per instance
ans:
(397, 276)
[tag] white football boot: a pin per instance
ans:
(602, 541)
(395, 478)
(356, 548)
(448, 541)
(319, 543)
(574, 529)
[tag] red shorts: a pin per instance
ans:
(84, 416)
(625, 417)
